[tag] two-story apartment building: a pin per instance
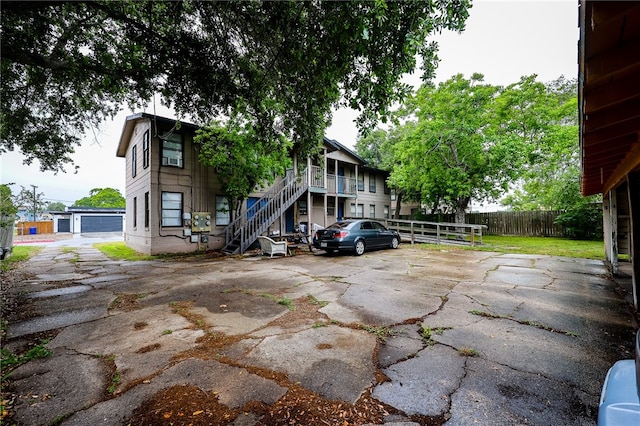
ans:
(175, 204)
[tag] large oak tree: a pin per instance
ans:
(465, 139)
(66, 66)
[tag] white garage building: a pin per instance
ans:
(85, 220)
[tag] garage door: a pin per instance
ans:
(64, 225)
(101, 224)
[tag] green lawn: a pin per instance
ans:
(120, 251)
(501, 244)
(538, 245)
(18, 254)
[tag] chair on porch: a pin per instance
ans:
(270, 247)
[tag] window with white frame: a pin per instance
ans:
(135, 212)
(223, 212)
(372, 210)
(146, 210)
(134, 161)
(360, 212)
(302, 207)
(352, 210)
(331, 206)
(171, 209)
(360, 181)
(372, 183)
(386, 212)
(172, 150)
(145, 150)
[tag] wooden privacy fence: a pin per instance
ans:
(530, 224)
(44, 227)
(417, 231)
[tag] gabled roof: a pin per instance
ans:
(609, 93)
(131, 121)
(130, 124)
(337, 146)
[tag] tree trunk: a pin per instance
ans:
(399, 194)
(461, 209)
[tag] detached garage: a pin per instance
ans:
(87, 220)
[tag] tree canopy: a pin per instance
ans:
(465, 139)
(551, 178)
(56, 206)
(8, 209)
(102, 198)
(67, 66)
(241, 159)
(31, 199)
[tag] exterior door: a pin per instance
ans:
(64, 225)
(289, 220)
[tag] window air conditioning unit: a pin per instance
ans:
(174, 162)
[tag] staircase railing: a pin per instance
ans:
(246, 228)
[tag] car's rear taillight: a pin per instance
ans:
(341, 234)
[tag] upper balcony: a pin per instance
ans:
(341, 186)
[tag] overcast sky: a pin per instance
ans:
(503, 40)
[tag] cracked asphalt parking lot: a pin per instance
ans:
(410, 336)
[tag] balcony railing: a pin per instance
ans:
(317, 177)
(341, 185)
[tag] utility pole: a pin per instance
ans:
(35, 202)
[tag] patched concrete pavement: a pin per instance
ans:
(462, 337)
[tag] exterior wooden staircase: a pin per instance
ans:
(252, 222)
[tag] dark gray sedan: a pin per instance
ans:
(355, 235)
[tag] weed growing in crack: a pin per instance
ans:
(531, 323)
(108, 358)
(464, 351)
(70, 250)
(427, 333)
(238, 290)
(382, 333)
(9, 361)
(285, 301)
(60, 418)
(115, 379)
(484, 314)
(165, 332)
(314, 301)
(318, 325)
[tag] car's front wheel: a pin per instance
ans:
(395, 243)
(359, 247)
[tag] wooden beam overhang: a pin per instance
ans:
(609, 93)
